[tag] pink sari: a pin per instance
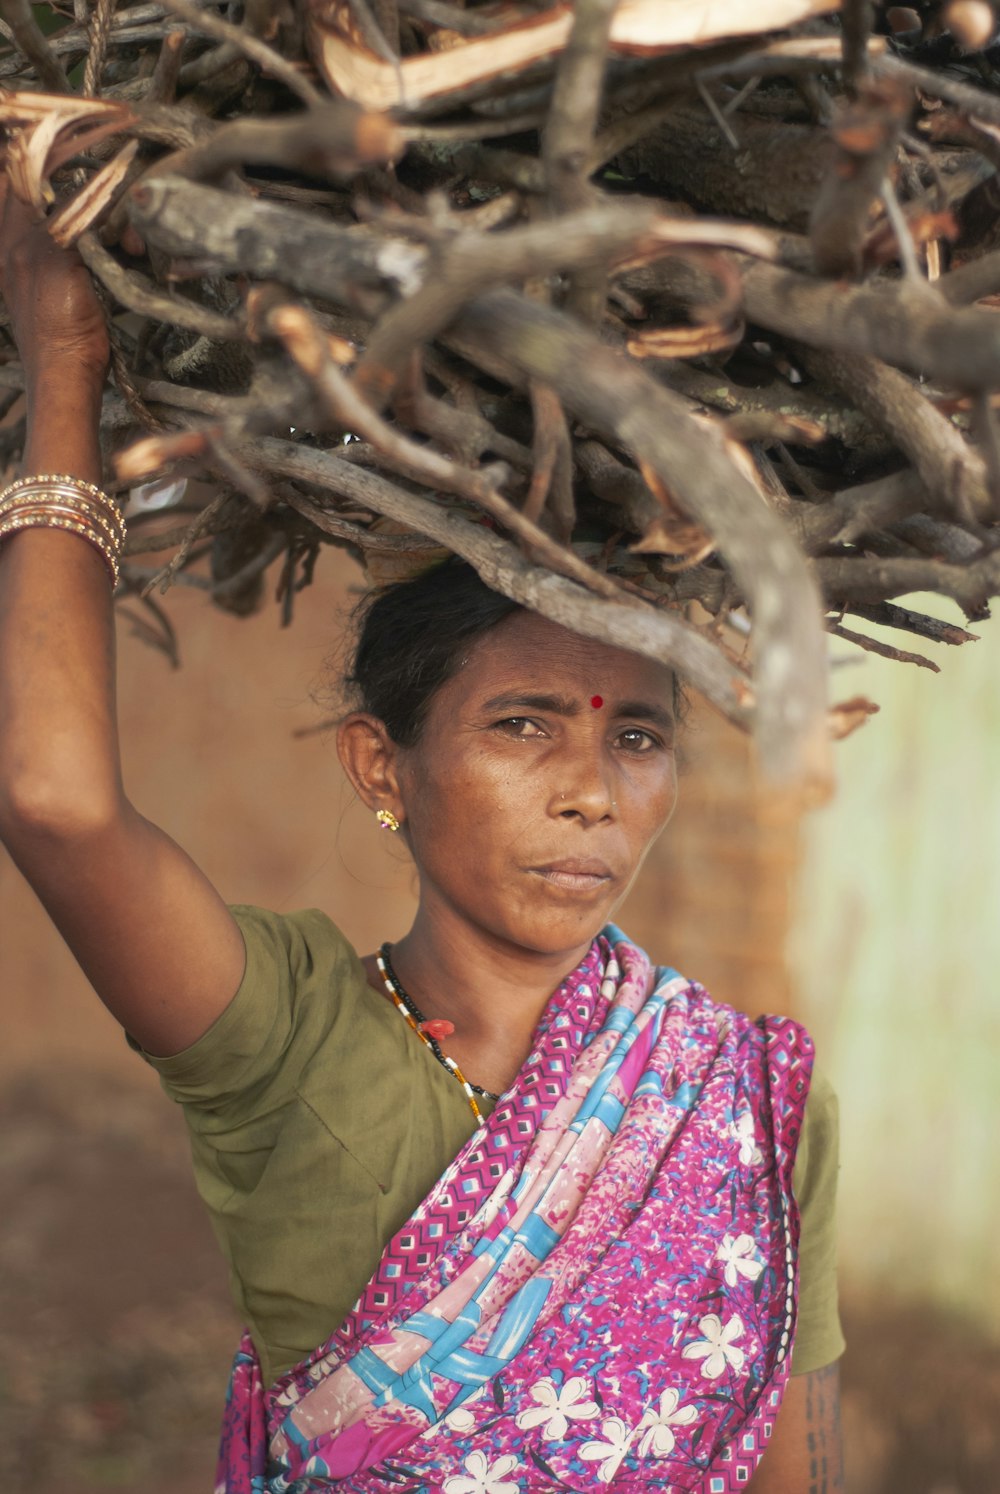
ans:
(600, 1290)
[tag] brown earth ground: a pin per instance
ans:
(116, 1330)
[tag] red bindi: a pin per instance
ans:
(597, 701)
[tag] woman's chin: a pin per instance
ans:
(559, 931)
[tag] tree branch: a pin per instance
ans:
(905, 323)
(569, 132)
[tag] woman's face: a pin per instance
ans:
(544, 772)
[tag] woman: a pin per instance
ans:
(504, 1207)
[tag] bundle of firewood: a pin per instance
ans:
(676, 319)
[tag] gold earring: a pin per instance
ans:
(387, 820)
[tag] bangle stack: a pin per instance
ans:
(58, 502)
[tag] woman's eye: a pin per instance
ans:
(636, 740)
(519, 726)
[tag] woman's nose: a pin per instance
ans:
(585, 789)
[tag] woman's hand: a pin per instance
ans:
(61, 335)
(53, 308)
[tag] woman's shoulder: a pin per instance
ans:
(290, 956)
(300, 934)
(302, 973)
(302, 981)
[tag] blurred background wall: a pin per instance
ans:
(877, 925)
(894, 949)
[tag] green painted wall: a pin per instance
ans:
(895, 958)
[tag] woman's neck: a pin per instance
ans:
(493, 992)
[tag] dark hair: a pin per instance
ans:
(410, 640)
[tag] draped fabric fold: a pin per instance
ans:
(601, 1288)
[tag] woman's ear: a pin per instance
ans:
(369, 757)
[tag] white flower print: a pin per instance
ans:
(463, 1418)
(557, 1408)
(739, 1255)
(717, 1347)
(612, 1451)
(484, 1477)
(745, 1133)
(656, 1426)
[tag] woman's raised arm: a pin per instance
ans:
(151, 933)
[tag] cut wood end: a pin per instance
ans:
(685, 342)
(971, 22)
(846, 717)
(342, 352)
(153, 452)
(639, 27)
(308, 344)
(93, 201)
(25, 107)
(721, 233)
(688, 544)
(903, 19)
(41, 146)
(378, 138)
(300, 336)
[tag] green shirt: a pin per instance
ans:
(318, 1124)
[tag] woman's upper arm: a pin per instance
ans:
(805, 1454)
(152, 935)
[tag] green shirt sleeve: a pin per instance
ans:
(818, 1337)
(254, 1054)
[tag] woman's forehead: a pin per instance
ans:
(529, 652)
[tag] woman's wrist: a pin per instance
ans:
(64, 413)
(65, 377)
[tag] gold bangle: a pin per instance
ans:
(85, 509)
(60, 501)
(28, 489)
(40, 519)
(81, 512)
(64, 479)
(43, 521)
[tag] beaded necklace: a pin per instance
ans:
(428, 1031)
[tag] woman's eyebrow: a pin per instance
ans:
(558, 705)
(644, 710)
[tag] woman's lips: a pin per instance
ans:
(575, 876)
